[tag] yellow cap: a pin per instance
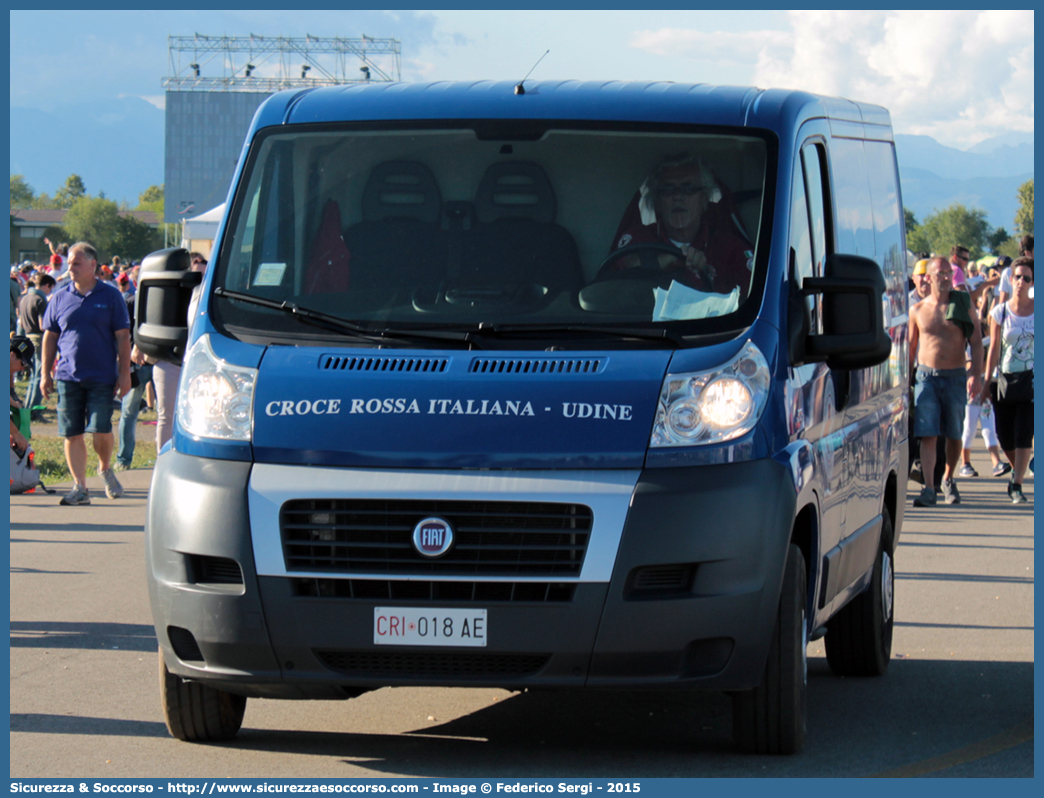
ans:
(921, 267)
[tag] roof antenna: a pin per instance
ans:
(520, 89)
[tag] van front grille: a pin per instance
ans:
(425, 591)
(491, 538)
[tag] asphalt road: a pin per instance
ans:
(957, 699)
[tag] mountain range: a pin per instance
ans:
(117, 147)
(986, 176)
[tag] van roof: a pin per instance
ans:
(624, 101)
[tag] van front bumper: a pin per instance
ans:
(688, 602)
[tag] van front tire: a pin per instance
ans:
(859, 637)
(196, 713)
(771, 718)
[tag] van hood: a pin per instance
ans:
(456, 410)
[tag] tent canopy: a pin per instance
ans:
(204, 226)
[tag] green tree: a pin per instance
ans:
(43, 202)
(995, 240)
(1024, 215)
(1009, 248)
(56, 233)
(70, 192)
(135, 239)
(95, 220)
(956, 225)
(150, 195)
(911, 220)
(151, 199)
(915, 240)
(22, 194)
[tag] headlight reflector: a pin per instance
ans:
(712, 406)
(215, 398)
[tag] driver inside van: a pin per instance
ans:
(681, 206)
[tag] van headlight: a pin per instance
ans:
(712, 406)
(215, 398)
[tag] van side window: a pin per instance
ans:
(800, 239)
(813, 159)
(241, 257)
(855, 223)
(884, 194)
(266, 233)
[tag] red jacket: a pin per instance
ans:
(720, 242)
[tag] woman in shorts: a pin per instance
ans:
(1011, 345)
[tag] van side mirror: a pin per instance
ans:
(165, 283)
(853, 317)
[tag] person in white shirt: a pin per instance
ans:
(1025, 251)
(1011, 349)
(974, 279)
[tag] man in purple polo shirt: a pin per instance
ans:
(86, 323)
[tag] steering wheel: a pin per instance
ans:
(646, 253)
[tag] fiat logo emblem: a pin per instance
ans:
(432, 537)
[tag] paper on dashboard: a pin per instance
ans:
(679, 302)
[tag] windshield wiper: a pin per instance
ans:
(661, 336)
(337, 324)
(468, 337)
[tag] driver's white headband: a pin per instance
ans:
(646, 203)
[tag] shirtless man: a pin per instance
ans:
(943, 387)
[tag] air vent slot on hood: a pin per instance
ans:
(413, 365)
(537, 366)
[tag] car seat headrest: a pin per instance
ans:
(401, 189)
(515, 190)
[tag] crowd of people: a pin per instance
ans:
(971, 362)
(70, 335)
(970, 336)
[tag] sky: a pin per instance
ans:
(959, 76)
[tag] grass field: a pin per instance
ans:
(50, 449)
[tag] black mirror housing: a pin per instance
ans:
(165, 284)
(853, 316)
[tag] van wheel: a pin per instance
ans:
(859, 637)
(770, 719)
(197, 713)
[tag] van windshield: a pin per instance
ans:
(472, 226)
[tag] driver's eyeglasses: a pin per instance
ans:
(685, 189)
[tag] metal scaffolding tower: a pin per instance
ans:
(273, 63)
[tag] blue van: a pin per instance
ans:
(573, 385)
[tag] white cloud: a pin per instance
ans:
(959, 76)
(159, 100)
(419, 71)
(738, 47)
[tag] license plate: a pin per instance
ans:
(428, 626)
